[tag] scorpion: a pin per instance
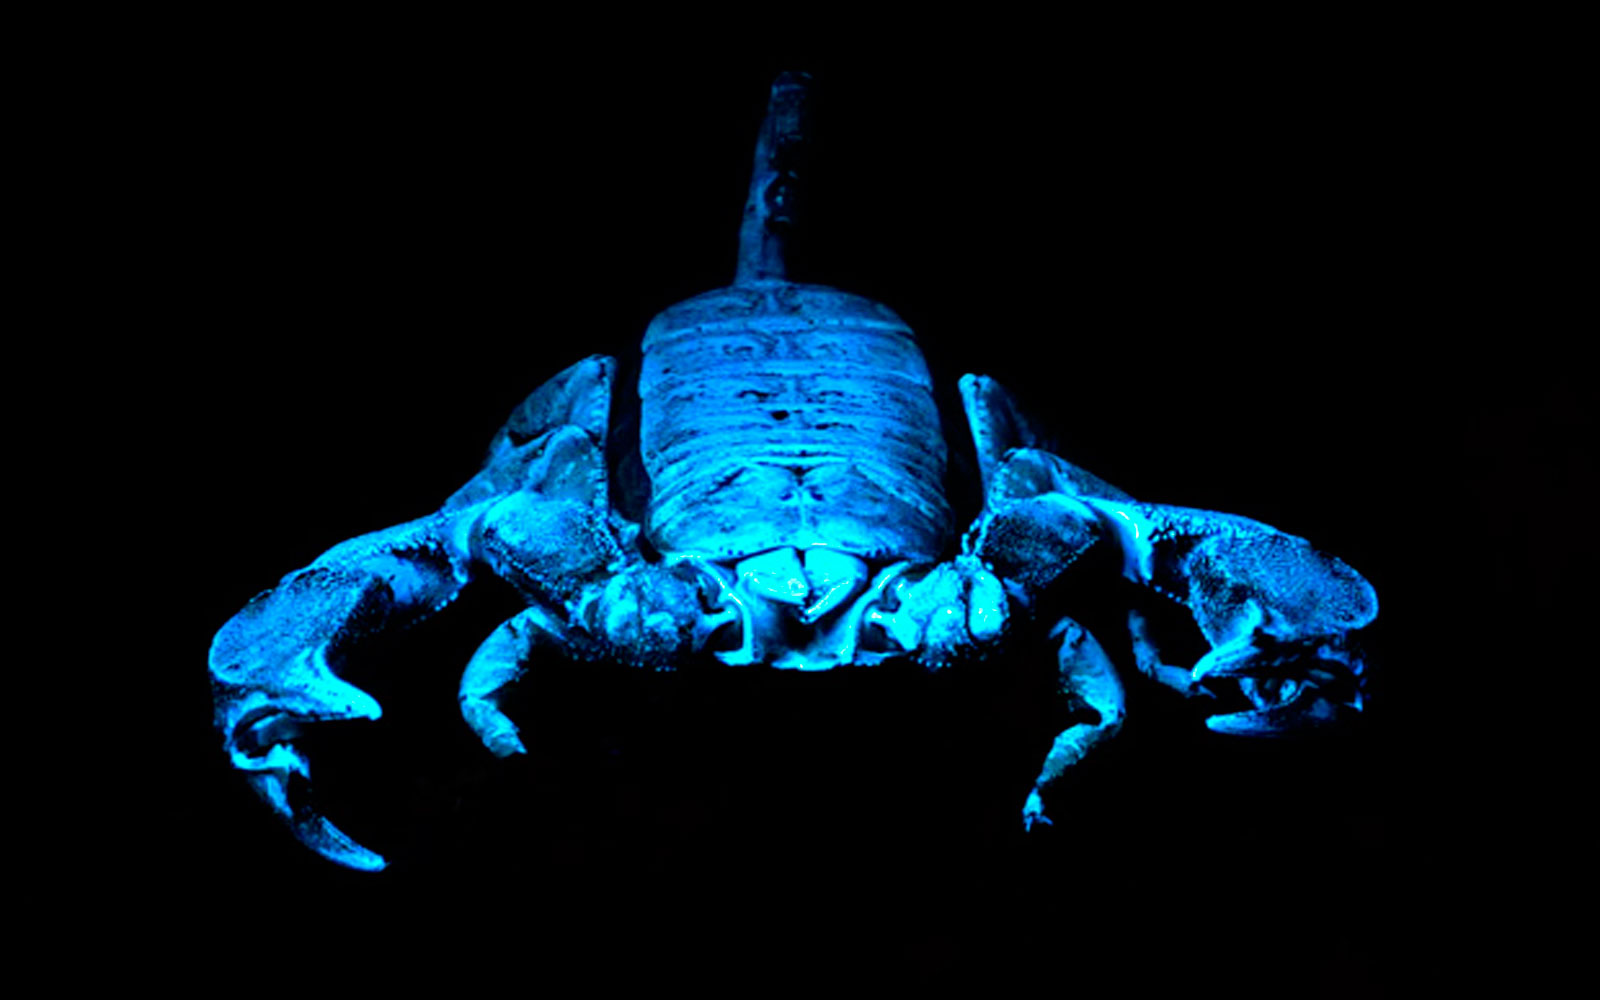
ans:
(795, 518)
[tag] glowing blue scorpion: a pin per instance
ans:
(796, 518)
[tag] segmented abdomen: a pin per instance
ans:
(777, 414)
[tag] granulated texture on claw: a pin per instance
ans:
(777, 414)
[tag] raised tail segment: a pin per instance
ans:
(774, 179)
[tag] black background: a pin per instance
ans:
(1234, 284)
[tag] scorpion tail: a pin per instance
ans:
(770, 210)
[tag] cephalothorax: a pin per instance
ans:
(795, 519)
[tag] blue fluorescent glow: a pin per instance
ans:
(797, 520)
